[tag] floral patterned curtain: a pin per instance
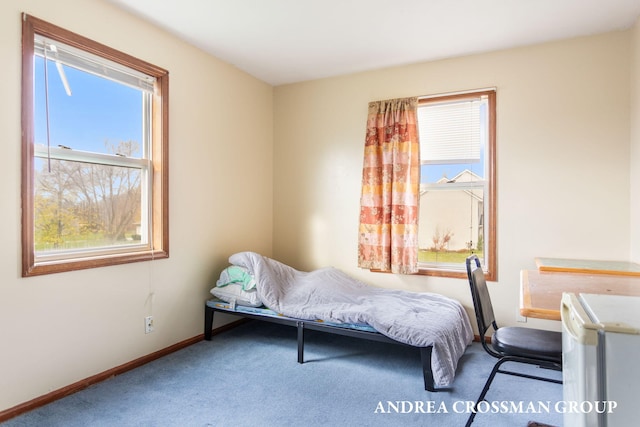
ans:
(388, 234)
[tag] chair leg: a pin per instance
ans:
(487, 384)
(496, 369)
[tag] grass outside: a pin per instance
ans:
(425, 255)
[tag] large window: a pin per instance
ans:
(95, 154)
(457, 185)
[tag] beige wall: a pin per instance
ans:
(562, 156)
(58, 329)
(635, 143)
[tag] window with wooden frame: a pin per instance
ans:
(458, 182)
(94, 153)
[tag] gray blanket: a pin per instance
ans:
(417, 319)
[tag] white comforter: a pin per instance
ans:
(417, 319)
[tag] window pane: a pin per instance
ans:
(82, 205)
(451, 224)
(97, 116)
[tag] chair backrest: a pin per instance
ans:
(480, 296)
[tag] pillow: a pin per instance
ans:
(233, 292)
(236, 274)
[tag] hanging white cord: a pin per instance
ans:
(46, 107)
(148, 106)
(151, 284)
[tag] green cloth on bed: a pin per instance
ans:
(235, 274)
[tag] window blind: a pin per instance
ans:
(450, 132)
(68, 55)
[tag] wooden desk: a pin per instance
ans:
(623, 268)
(541, 291)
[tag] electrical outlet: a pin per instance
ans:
(148, 324)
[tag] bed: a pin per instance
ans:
(257, 287)
(351, 330)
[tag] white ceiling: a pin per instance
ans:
(286, 41)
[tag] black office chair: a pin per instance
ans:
(511, 343)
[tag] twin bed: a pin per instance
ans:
(328, 300)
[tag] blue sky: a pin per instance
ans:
(98, 110)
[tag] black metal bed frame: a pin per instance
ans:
(301, 325)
